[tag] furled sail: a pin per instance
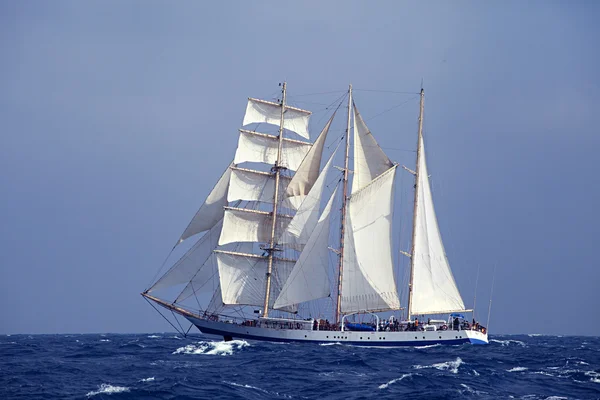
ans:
(434, 289)
(211, 212)
(242, 278)
(368, 280)
(262, 148)
(369, 160)
(261, 111)
(308, 172)
(298, 231)
(309, 279)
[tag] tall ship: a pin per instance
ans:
(292, 248)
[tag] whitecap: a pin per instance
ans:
(108, 389)
(542, 373)
(535, 334)
(475, 373)
(594, 376)
(154, 337)
(213, 348)
(257, 388)
(471, 390)
(147, 379)
(176, 337)
(508, 342)
(517, 369)
(105, 340)
(556, 398)
(451, 366)
(385, 385)
(428, 346)
(330, 344)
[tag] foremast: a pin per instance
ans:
(414, 228)
(343, 213)
(278, 167)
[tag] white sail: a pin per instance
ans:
(211, 212)
(368, 278)
(206, 278)
(261, 111)
(299, 229)
(242, 278)
(241, 225)
(262, 148)
(190, 264)
(251, 185)
(309, 279)
(308, 172)
(369, 160)
(434, 289)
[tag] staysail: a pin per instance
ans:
(368, 278)
(309, 279)
(434, 290)
(369, 160)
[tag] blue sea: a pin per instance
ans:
(168, 366)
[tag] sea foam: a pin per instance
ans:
(106, 388)
(385, 385)
(213, 348)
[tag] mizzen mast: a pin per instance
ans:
(412, 251)
(278, 167)
(344, 207)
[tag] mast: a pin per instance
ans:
(412, 251)
(343, 215)
(278, 169)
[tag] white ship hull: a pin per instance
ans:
(407, 338)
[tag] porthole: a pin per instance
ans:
(304, 335)
(361, 338)
(416, 337)
(327, 337)
(455, 337)
(440, 337)
(423, 337)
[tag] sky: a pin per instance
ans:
(116, 119)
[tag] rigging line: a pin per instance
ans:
(166, 319)
(391, 108)
(315, 94)
(178, 323)
(491, 294)
(161, 268)
(385, 91)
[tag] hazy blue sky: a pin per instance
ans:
(116, 118)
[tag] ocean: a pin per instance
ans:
(168, 366)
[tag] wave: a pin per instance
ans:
(451, 366)
(508, 342)
(428, 346)
(147, 379)
(330, 344)
(154, 337)
(594, 376)
(105, 340)
(517, 369)
(213, 348)
(385, 385)
(108, 389)
(257, 389)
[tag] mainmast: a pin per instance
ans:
(277, 169)
(343, 215)
(412, 251)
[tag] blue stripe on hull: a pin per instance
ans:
(361, 343)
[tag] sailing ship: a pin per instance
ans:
(263, 267)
